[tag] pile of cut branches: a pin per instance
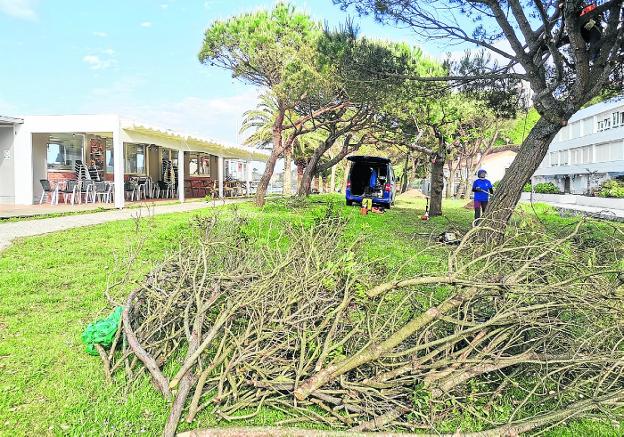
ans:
(518, 337)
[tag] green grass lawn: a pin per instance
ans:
(51, 286)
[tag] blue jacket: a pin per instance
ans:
(373, 179)
(484, 185)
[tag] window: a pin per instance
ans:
(587, 155)
(563, 157)
(609, 152)
(581, 155)
(135, 159)
(616, 119)
(199, 164)
(554, 159)
(64, 150)
(565, 133)
(235, 170)
(109, 158)
(602, 152)
(588, 126)
(577, 156)
(604, 124)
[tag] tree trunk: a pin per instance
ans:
(531, 154)
(300, 169)
(287, 172)
(309, 172)
(305, 184)
(437, 186)
(332, 180)
(405, 178)
(275, 153)
(466, 181)
(450, 183)
(464, 187)
(321, 188)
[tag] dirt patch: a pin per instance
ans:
(412, 194)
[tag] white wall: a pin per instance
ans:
(7, 165)
(496, 164)
(570, 199)
(39, 162)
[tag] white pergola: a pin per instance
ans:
(10, 121)
(122, 131)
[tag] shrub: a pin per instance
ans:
(612, 188)
(527, 187)
(547, 188)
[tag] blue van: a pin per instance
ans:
(371, 174)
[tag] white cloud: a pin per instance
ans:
(146, 24)
(502, 45)
(24, 9)
(100, 34)
(164, 6)
(101, 60)
(217, 118)
(118, 92)
(210, 3)
(96, 63)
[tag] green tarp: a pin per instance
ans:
(102, 331)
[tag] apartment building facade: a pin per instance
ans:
(588, 151)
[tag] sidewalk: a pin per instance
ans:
(589, 211)
(28, 228)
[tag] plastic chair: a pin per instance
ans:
(48, 190)
(86, 187)
(71, 188)
(102, 192)
(165, 188)
(130, 187)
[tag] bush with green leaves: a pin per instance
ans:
(612, 188)
(547, 188)
(527, 187)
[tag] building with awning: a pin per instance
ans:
(63, 149)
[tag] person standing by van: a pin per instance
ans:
(482, 189)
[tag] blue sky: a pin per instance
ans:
(137, 58)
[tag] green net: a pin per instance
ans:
(102, 331)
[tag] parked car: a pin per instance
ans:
(373, 173)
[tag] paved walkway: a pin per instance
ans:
(590, 211)
(27, 228)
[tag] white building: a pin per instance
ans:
(36, 148)
(588, 151)
(498, 161)
(495, 163)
